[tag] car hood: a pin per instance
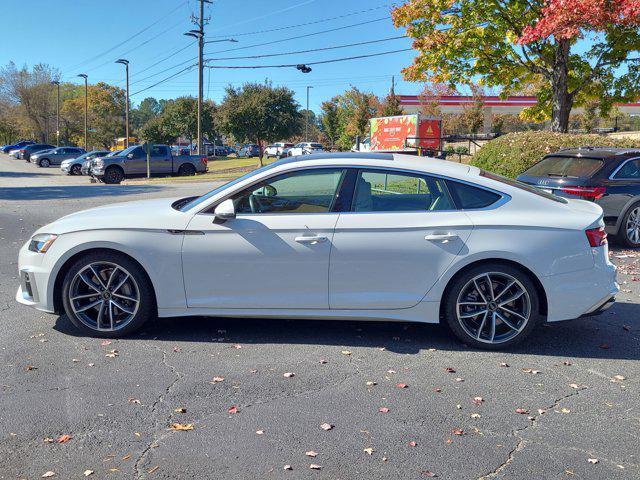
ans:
(156, 214)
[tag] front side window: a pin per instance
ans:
(306, 191)
(388, 191)
(630, 170)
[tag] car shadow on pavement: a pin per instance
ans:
(23, 174)
(73, 191)
(613, 335)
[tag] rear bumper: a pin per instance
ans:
(601, 308)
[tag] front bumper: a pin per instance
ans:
(35, 274)
(65, 167)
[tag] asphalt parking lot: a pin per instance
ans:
(402, 401)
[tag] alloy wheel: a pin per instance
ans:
(104, 296)
(493, 307)
(633, 226)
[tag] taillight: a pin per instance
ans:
(587, 192)
(22, 151)
(203, 161)
(597, 236)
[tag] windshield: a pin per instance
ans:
(113, 154)
(559, 166)
(522, 186)
(213, 193)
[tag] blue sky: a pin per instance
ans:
(87, 36)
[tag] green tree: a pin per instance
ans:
(156, 131)
(355, 108)
(180, 118)
(259, 112)
(512, 44)
(330, 121)
(390, 106)
(149, 108)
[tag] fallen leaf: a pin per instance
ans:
(566, 363)
(176, 349)
(233, 410)
(180, 410)
(217, 380)
(475, 415)
(326, 426)
(459, 407)
(134, 400)
(237, 347)
(289, 374)
(529, 370)
(151, 470)
(565, 410)
(48, 474)
(181, 426)
(428, 474)
(64, 438)
(259, 432)
(104, 343)
(504, 364)
(605, 346)
(126, 457)
(313, 466)
(311, 453)
(287, 467)
(391, 371)
(88, 472)
(368, 451)
(383, 410)
(457, 431)
(541, 411)
(459, 379)
(345, 352)
(29, 368)
(619, 378)
(450, 370)
(371, 384)
(478, 400)
(48, 440)
(112, 353)
(322, 361)
(402, 385)
(592, 460)
(522, 411)
(437, 390)
(413, 443)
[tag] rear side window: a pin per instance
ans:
(468, 197)
(559, 166)
(631, 169)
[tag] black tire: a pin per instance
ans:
(113, 175)
(76, 169)
(147, 306)
(186, 170)
(44, 163)
(460, 281)
(623, 237)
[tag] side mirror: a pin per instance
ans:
(225, 211)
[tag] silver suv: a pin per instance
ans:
(56, 156)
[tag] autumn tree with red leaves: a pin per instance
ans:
(574, 50)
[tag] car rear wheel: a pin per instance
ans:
(186, 170)
(629, 233)
(106, 294)
(492, 306)
(76, 170)
(44, 163)
(113, 175)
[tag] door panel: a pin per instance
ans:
(385, 261)
(160, 160)
(259, 261)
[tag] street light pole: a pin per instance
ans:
(86, 108)
(306, 126)
(126, 107)
(57, 83)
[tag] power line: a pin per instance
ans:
(310, 50)
(322, 20)
(109, 50)
(233, 67)
(184, 70)
(171, 55)
(270, 14)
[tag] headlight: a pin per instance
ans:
(40, 243)
(98, 163)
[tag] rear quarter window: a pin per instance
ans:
(468, 197)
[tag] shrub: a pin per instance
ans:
(512, 154)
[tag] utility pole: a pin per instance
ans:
(86, 108)
(57, 83)
(126, 107)
(306, 126)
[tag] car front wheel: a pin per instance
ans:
(45, 163)
(106, 294)
(113, 175)
(492, 306)
(76, 170)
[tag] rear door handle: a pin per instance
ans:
(440, 237)
(311, 239)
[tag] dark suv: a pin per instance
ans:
(608, 176)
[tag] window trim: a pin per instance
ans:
(615, 172)
(209, 210)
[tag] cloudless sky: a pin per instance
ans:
(87, 36)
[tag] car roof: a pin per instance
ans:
(389, 160)
(597, 152)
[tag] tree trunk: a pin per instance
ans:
(562, 100)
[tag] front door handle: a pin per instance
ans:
(441, 237)
(311, 239)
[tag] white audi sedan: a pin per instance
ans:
(331, 236)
